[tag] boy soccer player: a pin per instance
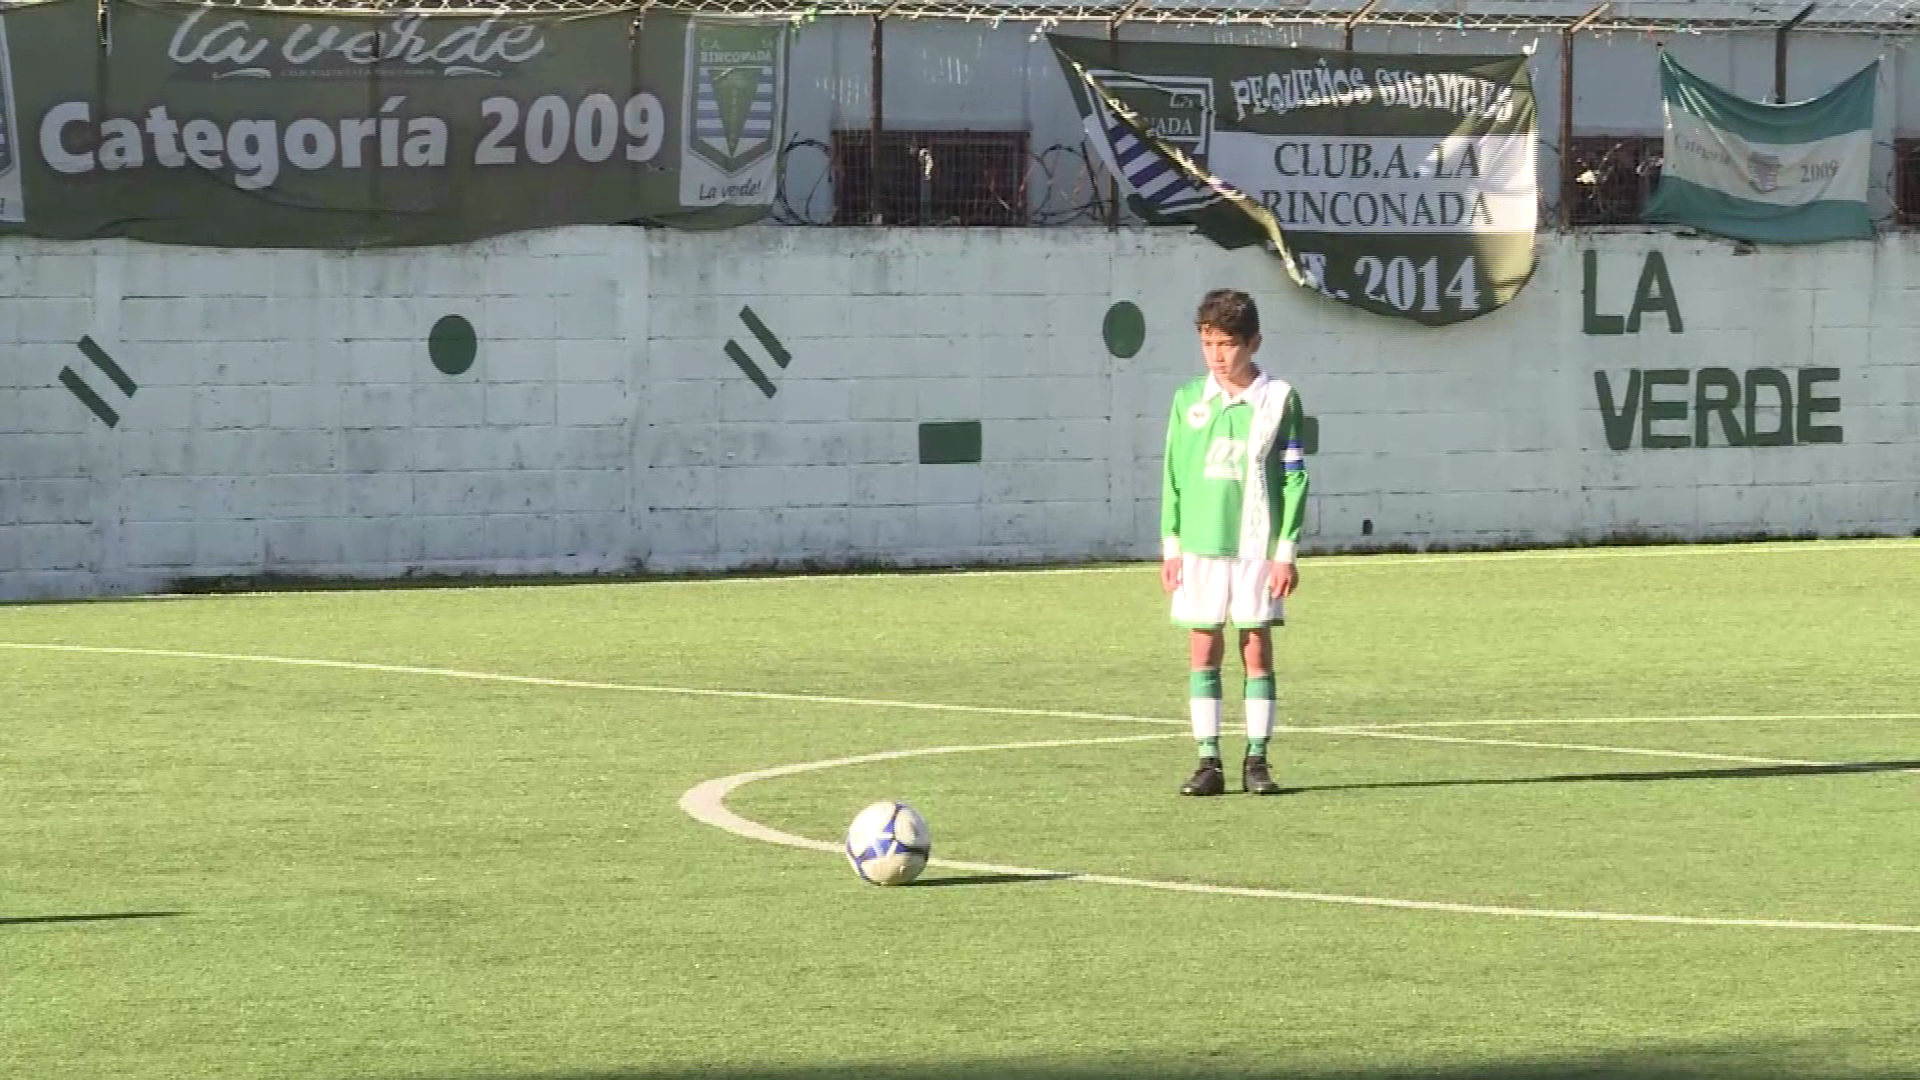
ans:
(1235, 485)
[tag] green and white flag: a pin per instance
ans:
(1402, 185)
(1783, 174)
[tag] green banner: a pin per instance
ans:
(1403, 185)
(1784, 174)
(228, 127)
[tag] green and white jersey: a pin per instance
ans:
(1235, 478)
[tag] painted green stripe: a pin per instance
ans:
(88, 398)
(1847, 107)
(105, 363)
(1682, 202)
(752, 370)
(765, 337)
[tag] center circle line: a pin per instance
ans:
(706, 803)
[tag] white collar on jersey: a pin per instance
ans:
(1214, 389)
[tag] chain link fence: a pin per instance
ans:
(972, 178)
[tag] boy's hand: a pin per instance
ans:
(1170, 573)
(1282, 580)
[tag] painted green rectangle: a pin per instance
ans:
(951, 443)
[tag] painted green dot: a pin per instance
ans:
(1125, 329)
(452, 345)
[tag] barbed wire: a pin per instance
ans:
(1061, 184)
(1075, 187)
(1698, 16)
(1860, 16)
(1608, 182)
(1611, 177)
(808, 210)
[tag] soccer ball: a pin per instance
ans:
(888, 843)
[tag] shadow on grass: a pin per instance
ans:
(986, 879)
(43, 920)
(1753, 772)
(1755, 1061)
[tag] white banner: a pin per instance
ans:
(1779, 174)
(1386, 184)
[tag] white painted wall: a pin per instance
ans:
(288, 420)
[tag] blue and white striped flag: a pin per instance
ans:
(1146, 170)
(1148, 173)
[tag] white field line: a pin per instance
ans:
(586, 684)
(1527, 744)
(706, 803)
(1578, 721)
(1354, 731)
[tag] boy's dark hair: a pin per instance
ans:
(1229, 311)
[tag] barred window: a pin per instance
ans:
(1611, 178)
(931, 177)
(1906, 181)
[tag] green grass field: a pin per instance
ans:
(216, 865)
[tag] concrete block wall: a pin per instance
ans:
(290, 419)
(888, 330)
(287, 419)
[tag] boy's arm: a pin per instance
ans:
(1170, 490)
(1289, 510)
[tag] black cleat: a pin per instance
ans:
(1255, 779)
(1206, 780)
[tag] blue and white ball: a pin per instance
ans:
(888, 843)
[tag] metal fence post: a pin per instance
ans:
(1780, 53)
(878, 118)
(1353, 20)
(1566, 109)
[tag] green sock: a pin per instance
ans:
(1260, 702)
(1203, 701)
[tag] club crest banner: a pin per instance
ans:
(1401, 185)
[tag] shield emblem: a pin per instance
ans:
(1177, 111)
(1765, 170)
(736, 74)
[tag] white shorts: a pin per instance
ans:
(1215, 590)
